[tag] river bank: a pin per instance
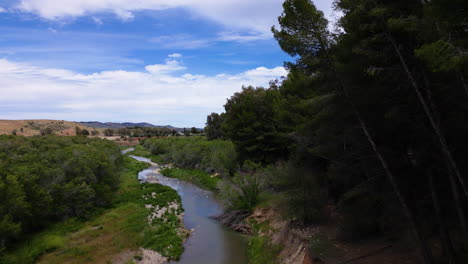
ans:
(274, 237)
(210, 241)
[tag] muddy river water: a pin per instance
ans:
(210, 242)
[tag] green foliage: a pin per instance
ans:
(200, 178)
(163, 234)
(123, 226)
(249, 121)
(213, 128)
(441, 56)
(144, 131)
(195, 153)
(262, 251)
(109, 132)
(46, 241)
(366, 116)
(47, 179)
(243, 191)
(143, 152)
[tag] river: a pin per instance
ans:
(210, 243)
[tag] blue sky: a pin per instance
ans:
(159, 61)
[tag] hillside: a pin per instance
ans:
(113, 125)
(34, 127)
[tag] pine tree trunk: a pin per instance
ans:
(458, 203)
(444, 234)
(462, 80)
(440, 137)
(452, 179)
(427, 255)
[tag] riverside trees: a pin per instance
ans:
(47, 179)
(371, 120)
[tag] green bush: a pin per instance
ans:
(303, 198)
(243, 192)
(45, 179)
(195, 153)
(262, 251)
(198, 177)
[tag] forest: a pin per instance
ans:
(369, 128)
(48, 179)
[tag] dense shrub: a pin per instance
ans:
(195, 153)
(47, 179)
(242, 192)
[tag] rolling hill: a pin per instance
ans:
(113, 125)
(34, 127)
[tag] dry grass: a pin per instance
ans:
(32, 127)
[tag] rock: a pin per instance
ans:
(209, 170)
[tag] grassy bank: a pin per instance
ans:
(116, 234)
(143, 152)
(261, 251)
(199, 178)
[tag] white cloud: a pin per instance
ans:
(168, 67)
(181, 41)
(97, 20)
(257, 15)
(175, 55)
(238, 37)
(2, 10)
(158, 95)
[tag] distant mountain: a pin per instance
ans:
(112, 125)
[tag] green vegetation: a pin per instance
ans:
(143, 131)
(43, 242)
(46, 128)
(48, 179)
(143, 152)
(105, 234)
(195, 153)
(242, 191)
(213, 127)
(200, 178)
(262, 251)
(370, 122)
(165, 234)
(368, 130)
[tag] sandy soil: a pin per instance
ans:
(151, 257)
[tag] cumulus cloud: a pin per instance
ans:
(157, 95)
(168, 67)
(257, 15)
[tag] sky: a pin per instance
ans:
(158, 61)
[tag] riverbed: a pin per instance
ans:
(210, 242)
